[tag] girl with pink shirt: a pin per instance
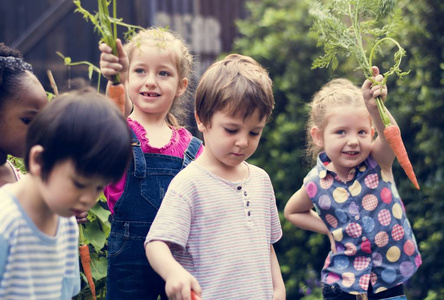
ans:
(155, 66)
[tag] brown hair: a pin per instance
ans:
(166, 40)
(336, 93)
(237, 83)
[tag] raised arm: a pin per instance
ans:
(381, 152)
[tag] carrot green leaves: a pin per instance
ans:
(105, 24)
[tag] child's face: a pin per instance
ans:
(231, 140)
(16, 114)
(347, 138)
(66, 193)
(153, 80)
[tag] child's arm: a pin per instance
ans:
(381, 152)
(111, 65)
(299, 212)
(179, 282)
(278, 282)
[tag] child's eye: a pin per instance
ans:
(362, 132)
(139, 71)
(26, 120)
(78, 184)
(231, 131)
(164, 73)
(252, 133)
(340, 132)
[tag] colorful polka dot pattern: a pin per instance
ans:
(366, 217)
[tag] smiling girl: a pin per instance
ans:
(155, 66)
(354, 193)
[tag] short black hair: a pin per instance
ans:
(87, 128)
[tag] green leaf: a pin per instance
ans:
(99, 266)
(100, 212)
(93, 234)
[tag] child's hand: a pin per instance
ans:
(372, 90)
(82, 218)
(110, 64)
(332, 242)
(179, 285)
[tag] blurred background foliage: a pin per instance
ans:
(276, 34)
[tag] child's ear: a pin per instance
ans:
(200, 126)
(316, 135)
(35, 160)
(182, 86)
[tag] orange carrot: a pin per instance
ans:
(194, 296)
(117, 94)
(86, 264)
(393, 136)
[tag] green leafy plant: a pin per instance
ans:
(107, 25)
(349, 28)
(95, 234)
(91, 67)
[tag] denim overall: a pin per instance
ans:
(129, 274)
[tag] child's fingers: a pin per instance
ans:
(104, 48)
(375, 71)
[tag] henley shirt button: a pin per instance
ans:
(364, 238)
(249, 213)
(248, 203)
(356, 217)
(245, 193)
(239, 188)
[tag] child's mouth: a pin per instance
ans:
(150, 94)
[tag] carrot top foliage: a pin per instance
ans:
(106, 25)
(351, 27)
(358, 28)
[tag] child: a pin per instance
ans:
(74, 147)
(155, 67)
(216, 227)
(353, 190)
(21, 97)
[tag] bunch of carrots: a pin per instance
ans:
(344, 28)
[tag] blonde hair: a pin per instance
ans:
(336, 93)
(237, 83)
(166, 40)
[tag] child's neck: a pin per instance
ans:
(29, 198)
(230, 173)
(157, 131)
(6, 174)
(342, 173)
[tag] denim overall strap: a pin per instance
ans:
(149, 174)
(191, 151)
(139, 159)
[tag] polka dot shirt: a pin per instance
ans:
(374, 240)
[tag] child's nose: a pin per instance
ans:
(242, 142)
(150, 80)
(352, 140)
